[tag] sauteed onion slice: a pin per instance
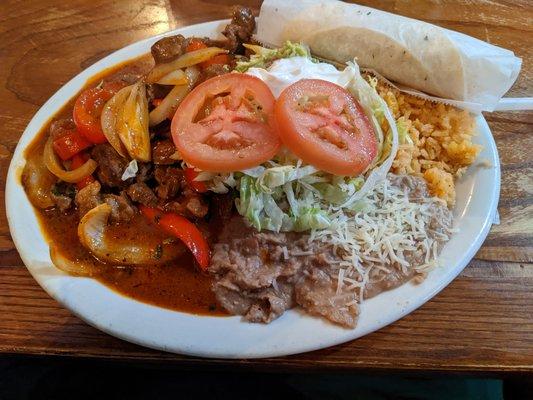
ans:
(176, 77)
(55, 167)
(74, 267)
(170, 103)
(92, 234)
(37, 181)
(186, 60)
(133, 124)
(109, 119)
(125, 122)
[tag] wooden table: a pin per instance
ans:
(482, 322)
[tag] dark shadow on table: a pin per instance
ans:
(45, 378)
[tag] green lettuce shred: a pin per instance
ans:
(263, 57)
(292, 197)
(403, 138)
(403, 134)
(338, 191)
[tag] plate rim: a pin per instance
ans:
(33, 128)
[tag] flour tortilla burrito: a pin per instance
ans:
(419, 55)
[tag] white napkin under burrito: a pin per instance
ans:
(438, 61)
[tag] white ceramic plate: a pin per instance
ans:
(229, 337)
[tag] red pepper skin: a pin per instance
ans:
(70, 144)
(180, 227)
(89, 106)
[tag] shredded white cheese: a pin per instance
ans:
(390, 233)
(285, 253)
(275, 285)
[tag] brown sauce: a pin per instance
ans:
(178, 285)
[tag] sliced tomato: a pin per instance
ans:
(226, 124)
(197, 186)
(88, 108)
(324, 125)
(77, 161)
(182, 228)
(69, 144)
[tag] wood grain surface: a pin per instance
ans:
(482, 322)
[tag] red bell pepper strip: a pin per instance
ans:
(180, 227)
(70, 144)
(77, 161)
(197, 186)
(88, 108)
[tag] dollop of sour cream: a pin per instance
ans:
(286, 71)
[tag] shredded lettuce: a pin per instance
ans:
(338, 191)
(403, 138)
(293, 197)
(250, 202)
(263, 57)
(403, 133)
(218, 182)
(279, 199)
(371, 103)
(311, 218)
(284, 194)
